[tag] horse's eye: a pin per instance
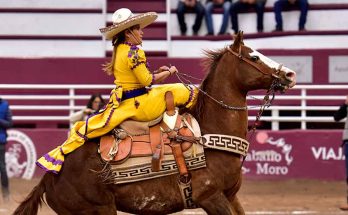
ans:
(255, 58)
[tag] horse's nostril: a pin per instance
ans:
(290, 75)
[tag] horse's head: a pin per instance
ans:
(256, 71)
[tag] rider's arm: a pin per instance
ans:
(137, 64)
(162, 75)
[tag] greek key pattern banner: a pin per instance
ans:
(226, 143)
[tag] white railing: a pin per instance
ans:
(71, 97)
(301, 101)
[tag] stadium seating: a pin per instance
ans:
(70, 28)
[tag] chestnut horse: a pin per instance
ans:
(233, 71)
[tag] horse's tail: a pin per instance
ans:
(30, 205)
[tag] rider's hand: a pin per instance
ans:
(347, 100)
(162, 69)
(173, 70)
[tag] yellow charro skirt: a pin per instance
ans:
(150, 106)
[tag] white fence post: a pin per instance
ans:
(105, 15)
(71, 101)
(303, 111)
(275, 123)
(169, 32)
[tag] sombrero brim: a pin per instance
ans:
(143, 20)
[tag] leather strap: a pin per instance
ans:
(157, 143)
(142, 138)
(179, 158)
(176, 147)
(156, 147)
(155, 137)
(170, 103)
(171, 133)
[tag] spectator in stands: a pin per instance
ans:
(130, 98)
(94, 104)
(339, 115)
(281, 5)
(5, 123)
(190, 5)
(243, 5)
(210, 5)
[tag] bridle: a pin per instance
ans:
(267, 101)
(258, 67)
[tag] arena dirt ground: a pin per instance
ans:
(257, 197)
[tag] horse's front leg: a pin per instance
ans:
(215, 204)
(231, 195)
(236, 206)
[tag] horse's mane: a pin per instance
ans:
(209, 63)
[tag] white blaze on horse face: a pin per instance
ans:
(290, 74)
(269, 62)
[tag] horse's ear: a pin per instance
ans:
(238, 41)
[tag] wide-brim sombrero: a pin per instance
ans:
(130, 20)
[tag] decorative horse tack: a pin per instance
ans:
(226, 143)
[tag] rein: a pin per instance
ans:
(267, 100)
(180, 76)
(183, 78)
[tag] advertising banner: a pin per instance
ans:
(25, 146)
(338, 69)
(291, 154)
(312, 154)
(303, 65)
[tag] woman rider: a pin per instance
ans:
(132, 98)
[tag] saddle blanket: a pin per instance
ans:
(139, 168)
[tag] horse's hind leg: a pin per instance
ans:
(57, 207)
(216, 204)
(84, 208)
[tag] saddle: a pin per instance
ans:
(171, 133)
